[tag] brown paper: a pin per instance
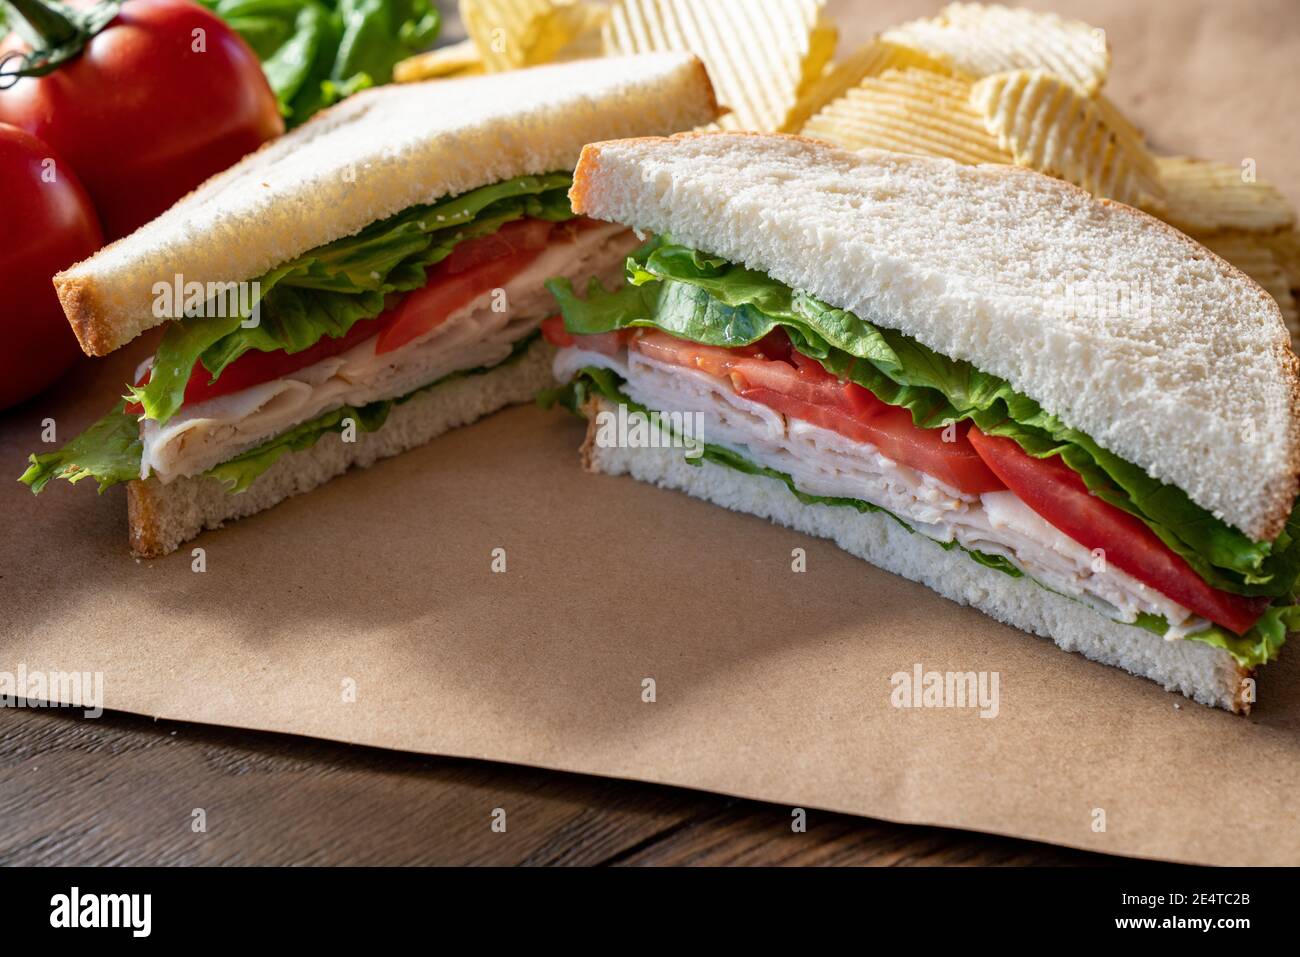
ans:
(769, 683)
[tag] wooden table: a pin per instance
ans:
(123, 789)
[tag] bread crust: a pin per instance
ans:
(77, 299)
(1262, 518)
(589, 160)
(144, 520)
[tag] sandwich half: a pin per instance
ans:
(354, 288)
(1053, 408)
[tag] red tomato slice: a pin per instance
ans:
(891, 430)
(805, 380)
(803, 389)
(427, 308)
(519, 236)
(607, 343)
(1058, 493)
(828, 417)
(714, 360)
(553, 331)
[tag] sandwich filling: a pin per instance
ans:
(343, 332)
(850, 414)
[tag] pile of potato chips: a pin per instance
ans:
(977, 84)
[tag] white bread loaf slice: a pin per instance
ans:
(160, 517)
(1196, 383)
(1201, 672)
(371, 156)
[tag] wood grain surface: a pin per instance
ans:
(123, 790)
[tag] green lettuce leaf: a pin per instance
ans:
(1257, 647)
(108, 451)
(328, 290)
(709, 300)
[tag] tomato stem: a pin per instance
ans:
(56, 33)
(47, 23)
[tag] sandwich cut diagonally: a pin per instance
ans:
(1056, 409)
(354, 288)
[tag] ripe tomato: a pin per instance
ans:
(522, 235)
(800, 378)
(607, 343)
(50, 225)
(166, 96)
(553, 331)
(891, 430)
(1058, 493)
(428, 308)
(802, 389)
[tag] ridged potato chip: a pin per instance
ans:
(457, 59)
(511, 34)
(760, 53)
(872, 59)
(979, 40)
(1207, 197)
(1048, 125)
(1254, 256)
(909, 111)
(504, 31)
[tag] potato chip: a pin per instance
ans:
(1286, 250)
(458, 59)
(503, 31)
(872, 59)
(510, 34)
(979, 40)
(822, 41)
(909, 111)
(760, 53)
(1207, 197)
(1253, 255)
(571, 31)
(1048, 125)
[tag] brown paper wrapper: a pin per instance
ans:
(369, 610)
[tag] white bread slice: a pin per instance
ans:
(161, 517)
(1198, 386)
(374, 155)
(1201, 672)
